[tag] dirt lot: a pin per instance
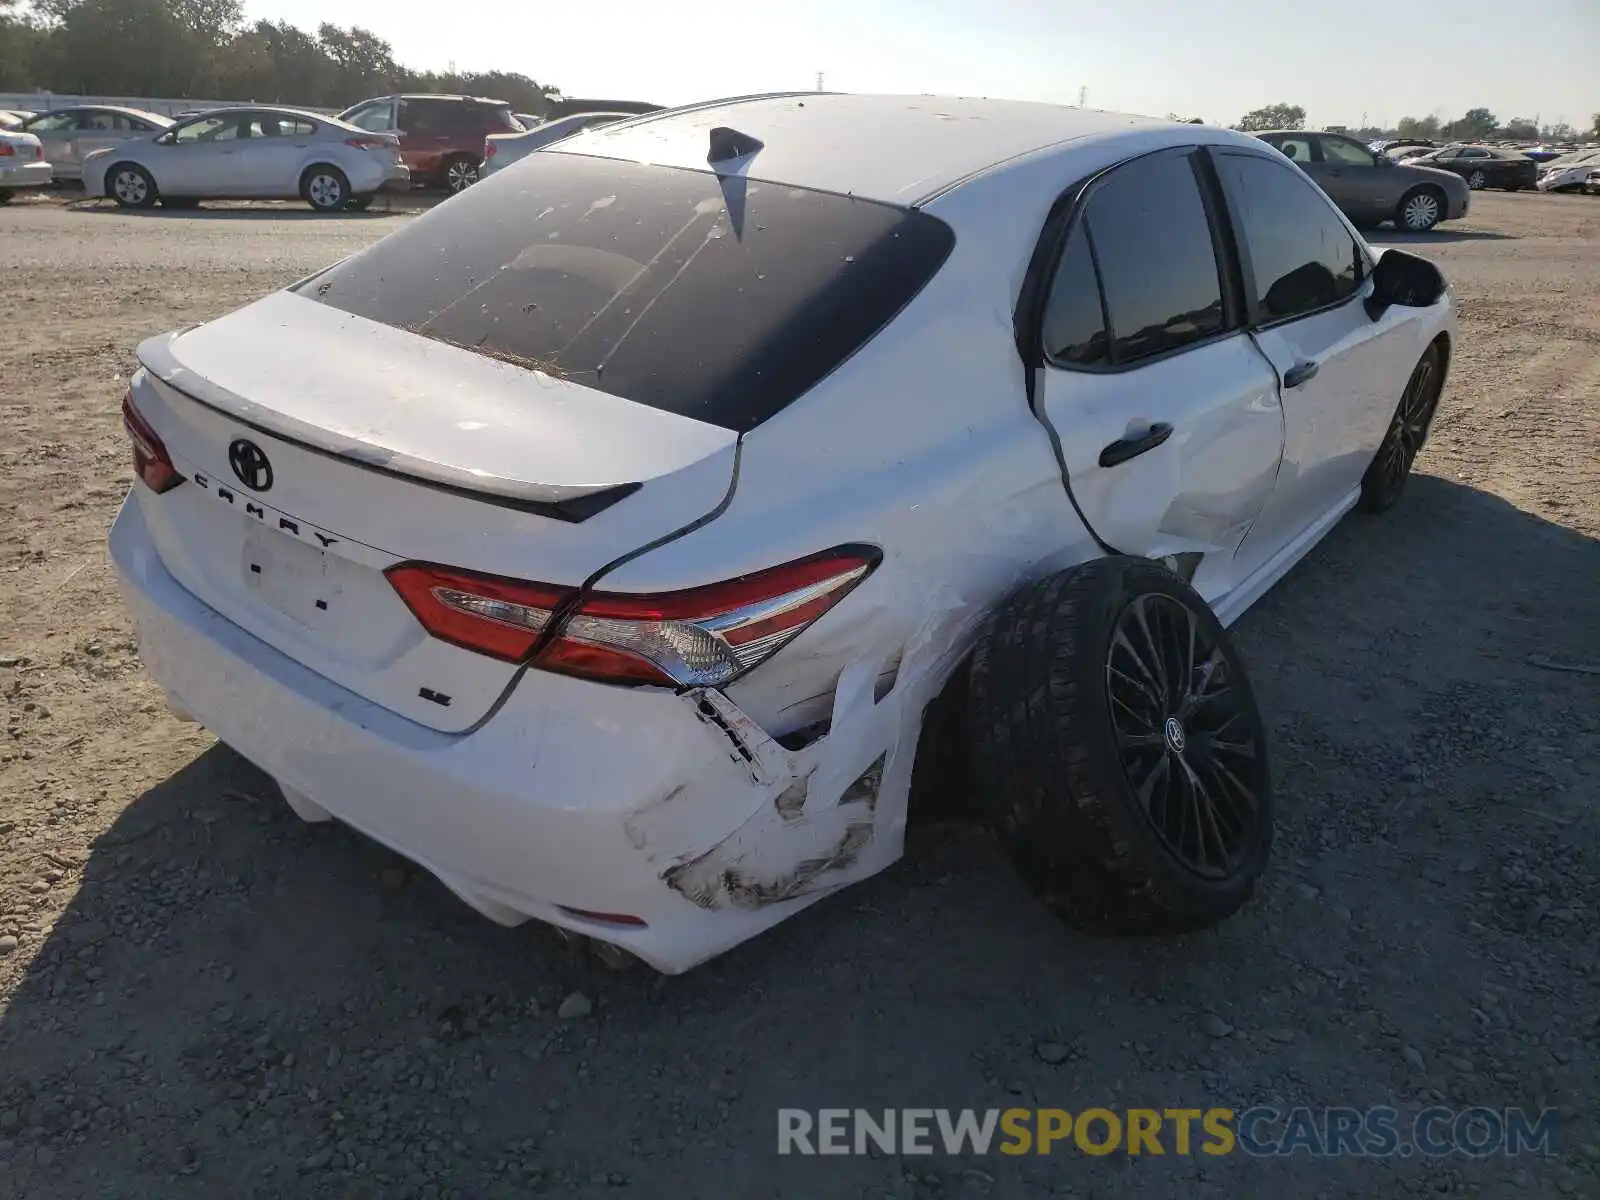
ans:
(199, 996)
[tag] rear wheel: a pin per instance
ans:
(1477, 181)
(1419, 210)
(325, 188)
(460, 173)
(1408, 432)
(131, 186)
(1118, 751)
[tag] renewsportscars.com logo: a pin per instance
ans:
(1259, 1132)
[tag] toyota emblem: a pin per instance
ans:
(250, 465)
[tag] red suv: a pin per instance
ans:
(441, 137)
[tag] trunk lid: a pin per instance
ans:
(320, 448)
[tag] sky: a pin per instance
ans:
(1341, 60)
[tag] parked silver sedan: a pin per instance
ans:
(69, 135)
(251, 153)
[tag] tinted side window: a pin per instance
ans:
(1158, 267)
(1074, 322)
(1301, 256)
(1348, 154)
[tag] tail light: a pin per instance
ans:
(489, 149)
(38, 149)
(151, 462)
(369, 143)
(7, 150)
(699, 637)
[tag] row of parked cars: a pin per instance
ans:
(269, 152)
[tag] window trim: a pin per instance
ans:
(1067, 216)
(1252, 302)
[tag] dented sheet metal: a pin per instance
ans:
(815, 812)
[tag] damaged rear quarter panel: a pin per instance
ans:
(922, 445)
(810, 816)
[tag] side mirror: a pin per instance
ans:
(1405, 279)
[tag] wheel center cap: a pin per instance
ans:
(1172, 733)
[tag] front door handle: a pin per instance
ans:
(1124, 448)
(1300, 373)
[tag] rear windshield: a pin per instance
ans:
(718, 299)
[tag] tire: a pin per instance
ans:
(1419, 210)
(460, 173)
(1477, 181)
(1386, 476)
(325, 188)
(359, 203)
(1054, 771)
(131, 186)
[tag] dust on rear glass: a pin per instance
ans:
(715, 297)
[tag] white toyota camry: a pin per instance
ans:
(610, 539)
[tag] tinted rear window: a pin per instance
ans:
(723, 300)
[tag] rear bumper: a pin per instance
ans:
(643, 802)
(32, 174)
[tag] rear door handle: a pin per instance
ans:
(1124, 448)
(1300, 373)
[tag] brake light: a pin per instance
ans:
(38, 149)
(698, 637)
(151, 462)
(7, 150)
(489, 149)
(368, 143)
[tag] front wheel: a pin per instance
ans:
(1117, 749)
(326, 189)
(1419, 211)
(131, 186)
(1408, 432)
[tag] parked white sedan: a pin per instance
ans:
(609, 538)
(251, 154)
(22, 164)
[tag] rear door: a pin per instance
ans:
(1165, 412)
(1305, 274)
(270, 153)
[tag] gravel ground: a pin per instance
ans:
(199, 996)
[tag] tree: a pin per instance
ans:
(1474, 126)
(1426, 128)
(1520, 128)
(1559, 132)
(1273, 116)
(1595, 132)
(22, 45)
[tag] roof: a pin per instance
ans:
(901, 149)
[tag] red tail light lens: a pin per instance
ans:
(489, 150)
(7, 150)
(151, 462)
(369, 143)
(699, 637)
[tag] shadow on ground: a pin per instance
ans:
(1436, 236)
(239, 1005)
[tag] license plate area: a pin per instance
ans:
(300, 581)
